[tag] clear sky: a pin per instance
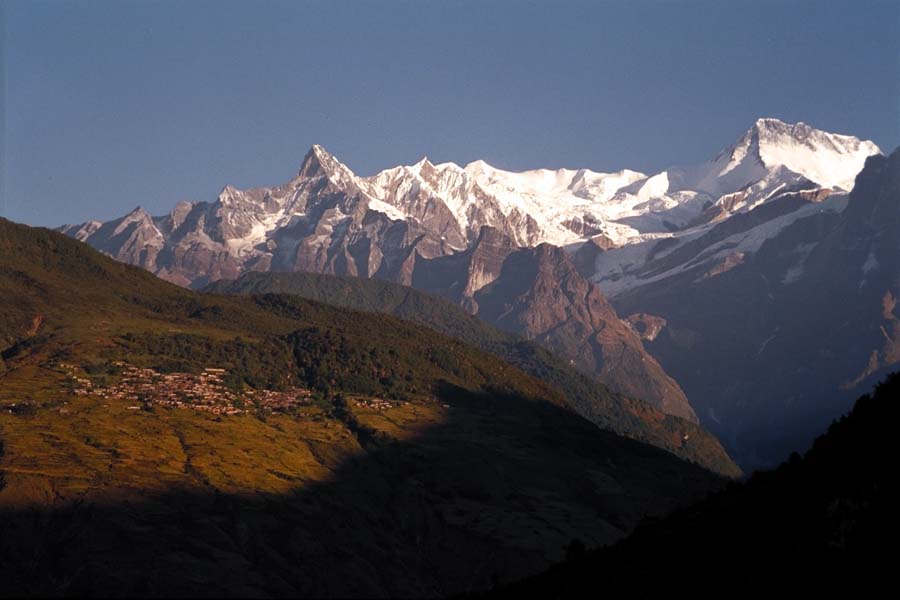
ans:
(109, 105)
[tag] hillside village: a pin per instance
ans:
(205, 391)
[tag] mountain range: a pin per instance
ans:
(554, 255)
(419, 383)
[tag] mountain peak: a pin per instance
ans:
(318, 161)
(772, 122)
(768, 129)
(478, 166)
(137, 213)
(320, 151)
(827, 159)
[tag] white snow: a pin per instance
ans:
(383, 207)
(625, 205)
(617, 269)
(566, 207)
(828, 159)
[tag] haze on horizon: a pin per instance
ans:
(109, 105)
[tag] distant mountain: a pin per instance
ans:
(156, 441)
(630, 417)
(773, 175)
(482, 237)
(327, 219)
(821, 520)
(773, 343)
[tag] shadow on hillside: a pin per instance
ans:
(827, 518)
(495, 492)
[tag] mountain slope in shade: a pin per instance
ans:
(813, 310)
(822, 519)
(416, 465)
(540, 294)
(627, 416)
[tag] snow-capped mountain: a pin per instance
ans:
(772, 147)
(774, 174)
(560, 207)
(772, 343)
(565, 206)
(328, 218)
(463, 232)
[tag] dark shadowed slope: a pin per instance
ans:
(770, 350)
(827, 517)
(593, 400)
(394, 461)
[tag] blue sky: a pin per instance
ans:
(112, 105)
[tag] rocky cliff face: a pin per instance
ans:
(774, 347)
(540, 294)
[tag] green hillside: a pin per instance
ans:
(590, 398)
(158, 441)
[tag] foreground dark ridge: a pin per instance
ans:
(590, 398)
(827, 517)
(405, 447)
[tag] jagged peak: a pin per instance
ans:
(227, 195)
(136, 213)
(312, 163)
(772, 130)
(769, 130)
(830, 160)
(773, 122)
(319, 161)
(181, 210)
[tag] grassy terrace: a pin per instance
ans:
(87, 447)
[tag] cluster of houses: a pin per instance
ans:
(375, 403)
(83, 385)
(280, 401)
(204, 391)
